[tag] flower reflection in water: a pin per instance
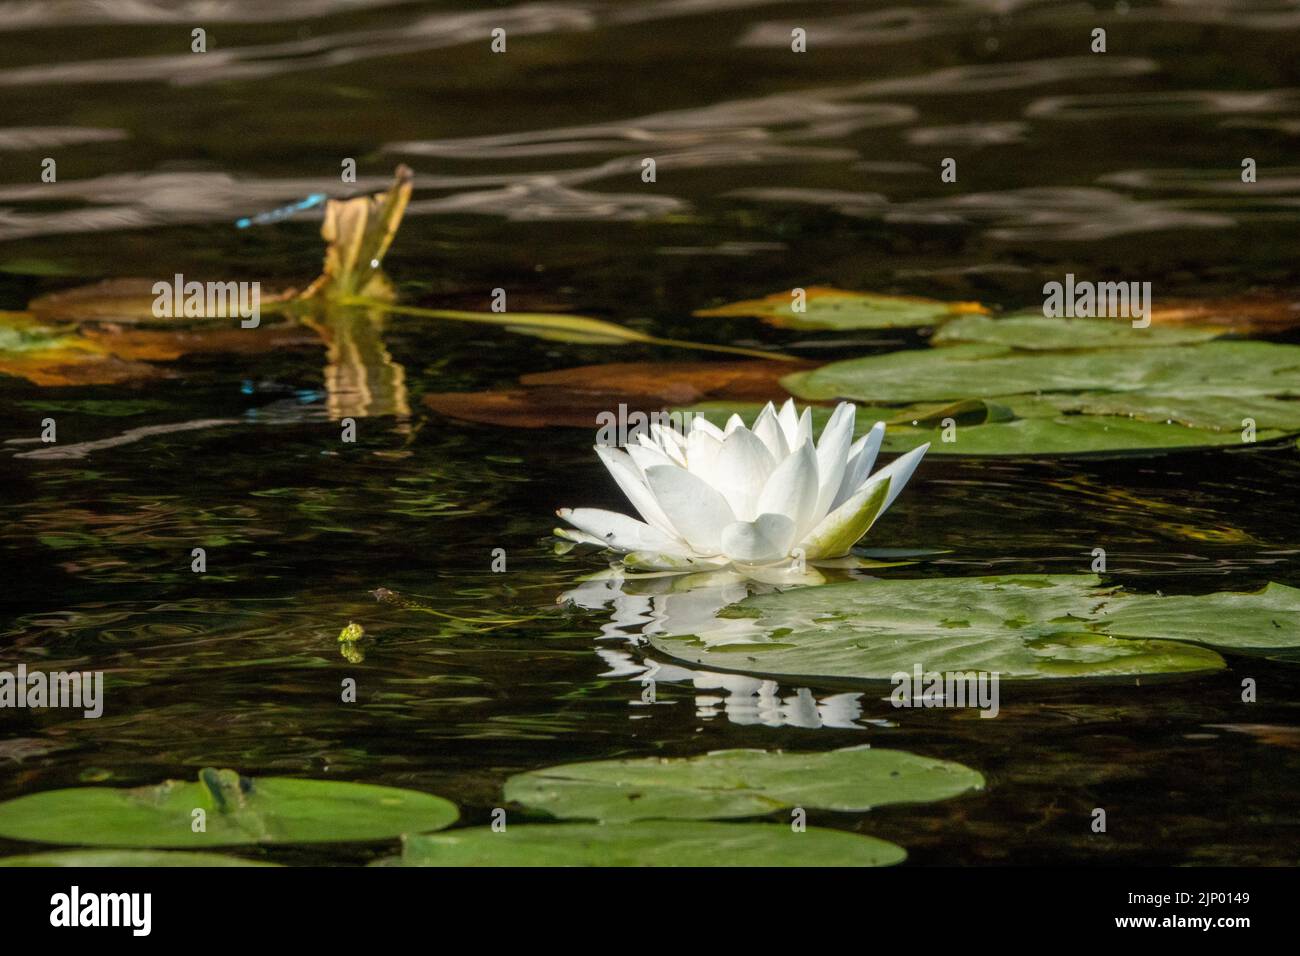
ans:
(646, 605)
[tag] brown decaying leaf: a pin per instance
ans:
(573, 397)
(127, 301)
(1256, 313)
(165, 345)
(64, 368)
(673, 382)
(357, 234)
(1276, 735)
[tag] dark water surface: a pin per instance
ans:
(774, 170)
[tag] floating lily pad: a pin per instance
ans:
(738, 783)
(1025, 426)
(1275, 415)
(668, 843)
(829, 308)
(1035, 331)
(1072, 435)
(1268, 619)
(1020, 626)
(1084, 402)
(1228, 369)
(238, 810)
(116, 858)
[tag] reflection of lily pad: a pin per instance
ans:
(238, 810)
(150, 858)
(738, 783)
(674, 843)
(1020, 626)
(1035, 331)
(837, 309)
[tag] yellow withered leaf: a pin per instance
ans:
(358, 233)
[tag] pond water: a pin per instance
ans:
(774, 170)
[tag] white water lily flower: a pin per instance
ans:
(760, 499)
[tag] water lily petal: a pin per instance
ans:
(840, 530)
(861, 457)
(578, 537)
(702, 452)
(768, 429)
(741, 470)
(621, 532)
(669, 442)
(900, 470)
(805, 430)
(700, 423)
(793, 489)
(833, 455)
(631, 481)
(697, 511)
(647, 456)
(788, 418)
(764, 540)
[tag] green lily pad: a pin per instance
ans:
(738, 783)
(1268, 619)
(116, 858)
(1024, 426)
(984, 371)
(828, 308)
(1019, 401)
(238, 810)
(1019, 626)
(1072, 435)
(1272, 415)
(668, 843)
(1035, 331)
